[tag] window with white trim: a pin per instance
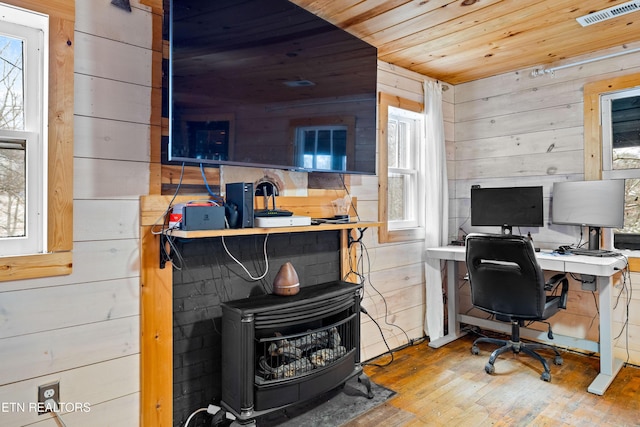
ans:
(24, 48)
(620, 120)
(401, 171)
(404, 145)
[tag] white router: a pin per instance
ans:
(281, 221)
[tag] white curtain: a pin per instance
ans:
(436, 206)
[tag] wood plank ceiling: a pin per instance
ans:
(457, 41)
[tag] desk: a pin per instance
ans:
(601, 267)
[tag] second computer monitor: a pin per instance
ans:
(594, 204)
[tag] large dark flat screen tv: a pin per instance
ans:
(264, 83)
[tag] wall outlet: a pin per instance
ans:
(47, 394)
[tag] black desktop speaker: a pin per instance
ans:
(240, 199)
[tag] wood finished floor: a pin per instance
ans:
(449, 387)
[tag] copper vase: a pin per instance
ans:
(286, 281)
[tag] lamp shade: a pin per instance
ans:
(286, 281)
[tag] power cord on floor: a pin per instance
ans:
(389, 351)
(214, 410)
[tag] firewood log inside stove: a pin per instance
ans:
(325, 356)
(287, 370)
(334, 338)
(286, 350)
(308, 342)
(288, 358)
(314, 340)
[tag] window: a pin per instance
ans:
(401, 138)
(23, 139)
(55, 94)
(404, 137)
(324, 143)
(621, 150)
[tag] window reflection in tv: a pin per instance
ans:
(265, 83)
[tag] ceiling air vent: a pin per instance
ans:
(610, 13)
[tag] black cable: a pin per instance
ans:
(363, 251)
(354, 271)
(464, 233)
(625, 273)
(363, 278)
(389, 351)
(628, 290)
(349, 194)
(629, 298)
(580, 244)
(164, 238)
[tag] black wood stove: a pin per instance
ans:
(278, 351)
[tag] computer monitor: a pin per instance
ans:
(507, 207)
(593, 204)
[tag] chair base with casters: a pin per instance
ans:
(516, 346)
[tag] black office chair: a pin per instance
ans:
(507, 281)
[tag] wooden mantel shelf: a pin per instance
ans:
(196, 234)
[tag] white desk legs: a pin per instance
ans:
(609, 365)
(453, 325)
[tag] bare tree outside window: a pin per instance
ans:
(12, 152)
(396, 182)
(625, 140)
(12, 190)
(404, 136)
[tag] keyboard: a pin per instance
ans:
(592, 252)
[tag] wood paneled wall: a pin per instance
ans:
(83, 329)
(514, 129)
(394, 286)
